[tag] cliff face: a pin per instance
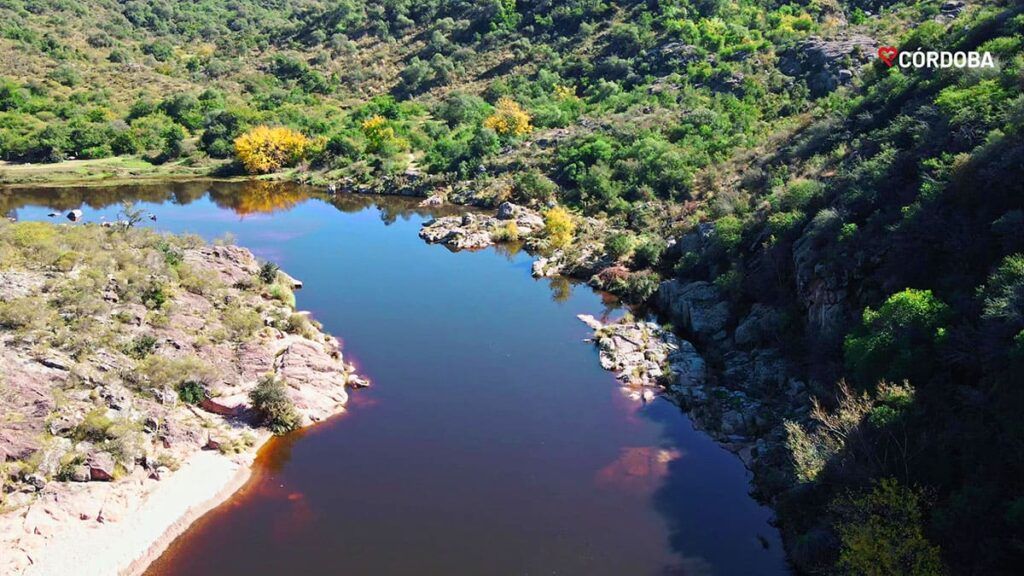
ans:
(123, 354)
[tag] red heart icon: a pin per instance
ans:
(888, 55)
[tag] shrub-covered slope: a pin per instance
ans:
(856, 229)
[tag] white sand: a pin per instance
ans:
(126, 545)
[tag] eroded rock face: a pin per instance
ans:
(645, 356)
(822, 289)
(760, 325)
(25, 404)
(697, 307)
(648, 358)
(587, 261)
(230, 264)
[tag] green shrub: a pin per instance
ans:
(158, 372)
(172, 256)
(1003, 294)
(648, 252)
(141, 347)
(29, 313)
(94, 427)
(154, 296)
(192, 392)
(299, 324)
(639, 286)
(533, 187)
(619, 246)
(241, 323)
(276, 409)
(268, 272)
(728, 233)
(509, 232)
(283, 294)
(900, 340)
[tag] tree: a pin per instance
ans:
(380, 136)
(899, 341)
(1004, 293)
(509, 119)
(559, 227)
(130, 216)
(881, 533)
(264, 149)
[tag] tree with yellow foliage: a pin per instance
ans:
(265, 149)
(380, 136)
(559, 227)
(509, 119)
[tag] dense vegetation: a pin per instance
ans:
(896, 194)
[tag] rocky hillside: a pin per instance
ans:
(124, 354)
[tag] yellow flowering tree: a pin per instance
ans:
(563, 92)
(265, 149)
(509, 119)
(380, 136)
(559, 227)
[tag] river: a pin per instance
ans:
(491, 442)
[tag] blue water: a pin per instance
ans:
(491, 442)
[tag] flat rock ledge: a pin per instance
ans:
(78, 511)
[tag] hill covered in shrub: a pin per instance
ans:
(860, 227)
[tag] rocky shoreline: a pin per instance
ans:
(111, 448)
(737, 388)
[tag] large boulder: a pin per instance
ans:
(697, 307)
(688, 366)
(101, 466)
(523, 217)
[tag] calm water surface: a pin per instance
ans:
(491, 442)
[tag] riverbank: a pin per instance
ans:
(107, 171)
(129, 405)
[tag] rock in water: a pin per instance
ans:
(75, 215)
(435, 200)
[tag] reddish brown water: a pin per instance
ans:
(491, 442)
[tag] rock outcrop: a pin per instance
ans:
(696, 307)
(472, 231)
(827, 64)
(159, 374)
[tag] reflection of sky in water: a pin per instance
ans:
(638, 469)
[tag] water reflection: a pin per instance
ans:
(492, 441)
(638, 469)
(243, 198)
(260, 197)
